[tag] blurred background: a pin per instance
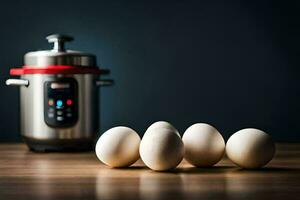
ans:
(233, 64)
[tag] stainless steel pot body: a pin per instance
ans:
(59, 97)
(33, 125)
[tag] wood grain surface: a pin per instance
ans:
(28, 175)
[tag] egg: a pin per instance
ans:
(161, 149)
(204, 145)
(118, 147)
(250, 148)
(163, 124)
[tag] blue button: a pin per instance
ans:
(59, 103)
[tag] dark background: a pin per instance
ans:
(233, 64)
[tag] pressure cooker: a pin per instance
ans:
(59, 97)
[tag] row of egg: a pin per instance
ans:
(162, 148)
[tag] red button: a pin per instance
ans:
(69, 102)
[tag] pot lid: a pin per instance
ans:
(59, 55)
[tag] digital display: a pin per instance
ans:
(60, 85)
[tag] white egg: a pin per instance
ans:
(161, 149)
(250, 148)
(163, 124)
(118, 147)
(204, 145)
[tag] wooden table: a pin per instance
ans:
(27, 175)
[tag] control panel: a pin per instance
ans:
(60, 102)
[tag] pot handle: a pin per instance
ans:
(17, 82)
(105, 82)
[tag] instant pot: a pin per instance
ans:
(59, 96)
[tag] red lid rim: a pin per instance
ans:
(57, 69)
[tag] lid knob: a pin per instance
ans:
(59, 41)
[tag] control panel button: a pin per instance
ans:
(51, 102)
(59, 103)
(50, 115)
(69, 102)
(59, 112)
(69, 115)
(59, 118)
